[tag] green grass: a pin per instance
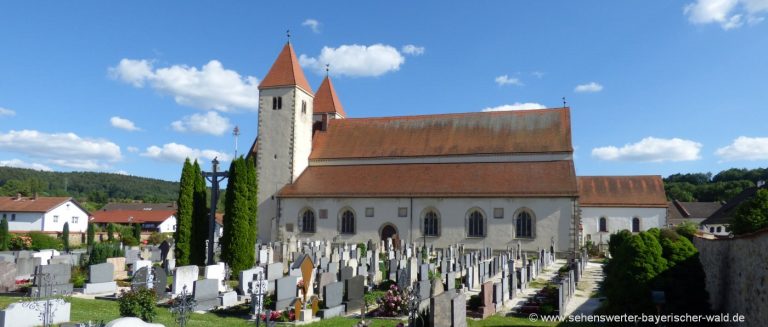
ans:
(538, 283)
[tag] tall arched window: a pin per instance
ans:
(524, 224)
(307, 221)
(603, 224)
(635, 225)
(347, 222)
(476, 224)
(431, 224)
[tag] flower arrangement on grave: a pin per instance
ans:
(273, 316)
(394, 303)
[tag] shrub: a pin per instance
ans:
(110, 232)
(65, 237)
(42, 241)
(362, 248)
(156, 238)
(137, 231)
(20, 242)
(78, 277)
(102, 251)
(374, 296)
(138, 303)
(129, 240)
(687, 229)
(394, 303)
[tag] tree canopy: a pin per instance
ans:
(708, 188)
(240, 216)
(751, 215)
(183, 234)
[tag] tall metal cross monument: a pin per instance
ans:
(215, 176)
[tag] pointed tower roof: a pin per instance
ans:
(286, 71)
(326, 100)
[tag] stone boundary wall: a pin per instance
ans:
(737, 275)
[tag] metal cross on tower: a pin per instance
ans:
(215, 176)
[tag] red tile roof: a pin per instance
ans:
(518, 179)
(25, 204)
(326, 100)
(286, 72)
(622, 191)
(502, 132)
(132, 216)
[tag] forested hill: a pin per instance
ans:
(705, 187)
(93, 189)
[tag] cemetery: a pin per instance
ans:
(300, 282)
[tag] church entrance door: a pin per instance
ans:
(388, 231)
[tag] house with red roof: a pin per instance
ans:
(158, 220)
(44, 214)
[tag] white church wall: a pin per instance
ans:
(617, 219)
(553, 218)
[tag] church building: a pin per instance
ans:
(481, 179)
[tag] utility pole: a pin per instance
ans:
(215, 176)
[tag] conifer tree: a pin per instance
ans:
(91, 235)
(183, 233)
(5, 237)
(65, 237)
(253, 189)
(137, 231)
(239, 237)
(199, 218)
(110, 232)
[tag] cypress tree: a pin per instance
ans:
(65, 236)
(253, 192)
(110, 232)
(5, 237)
(137, 231)
(91, 235)
(238, 239)
(183, 233)
(199, 218)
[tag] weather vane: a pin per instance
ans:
(288, 34)
(327, 68)
(565, 104)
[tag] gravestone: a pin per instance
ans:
(25, 266)
(131, 256)
(274, 271)
(206, 294)
(161, 282)
(332, 307)
(100, 279)
(285, 290)
(22, 314)
(119, 265)
(184, 276)
(59, 276)
(498, 295)
(448, 310)
(8, 277)
(325, 279)
(346, 273)
(216, 272)
(354, 293)
(138, 264)
(246, 277)
(487, 308)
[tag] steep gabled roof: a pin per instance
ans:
(31, 204)
(504, 179)
(728, 210)
(501, 132)
(139, 206)
(132, 216)
(286, 72)
(326, 100)
(682, 210)
(622, 191)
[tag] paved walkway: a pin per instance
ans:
(581, 303)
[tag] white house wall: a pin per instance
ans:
(553, 220)
(617, 219)
(25, 221)
(66, 212)
(167, 226)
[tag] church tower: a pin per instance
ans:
(284, 139)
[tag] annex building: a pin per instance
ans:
(482, 179)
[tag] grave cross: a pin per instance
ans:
(259, 289)
(45, 298)
(215, 176)
(183, 304)
(413, 304)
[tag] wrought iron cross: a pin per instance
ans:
(258, 289)
(183, 304)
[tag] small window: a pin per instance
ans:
(13, 217)
(711, 229)
(603, 224)
(307, 221)
(303, 107)
(5, 216)
(402, 212)
(431, 224)
(74, 219)
(289, 228)
(347, 222)
(498, 213)
(476, 224)
(635, 225)
(369, 212)
(174, 228)
(55, 219)
(277, 103)
(524, 225)
(719, 229)
(323, 213)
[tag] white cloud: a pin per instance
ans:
(6, 112)
(208, 123)
(121, 172)
(174, 152)
(123, 123)
(506, 80)
(355, 60)
(132, 149)
(745, 148)
(63, 149)
(591, 87)
(413, 50)
(651, 149)
(210, 87)
(313, 24)
(22, 164)
(538, 74)
(517, 106)
(730, 14)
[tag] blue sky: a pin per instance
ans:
(655, 87)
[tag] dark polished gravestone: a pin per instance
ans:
(354, 293)
(158, 281)
(206, 294)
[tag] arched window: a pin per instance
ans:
(431, 224)
(347, 222)
(635, 225)
(524, 225)
(476, 224)
(307, 222)
(603, 224)
(277, 103)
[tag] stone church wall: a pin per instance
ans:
(737, 275)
